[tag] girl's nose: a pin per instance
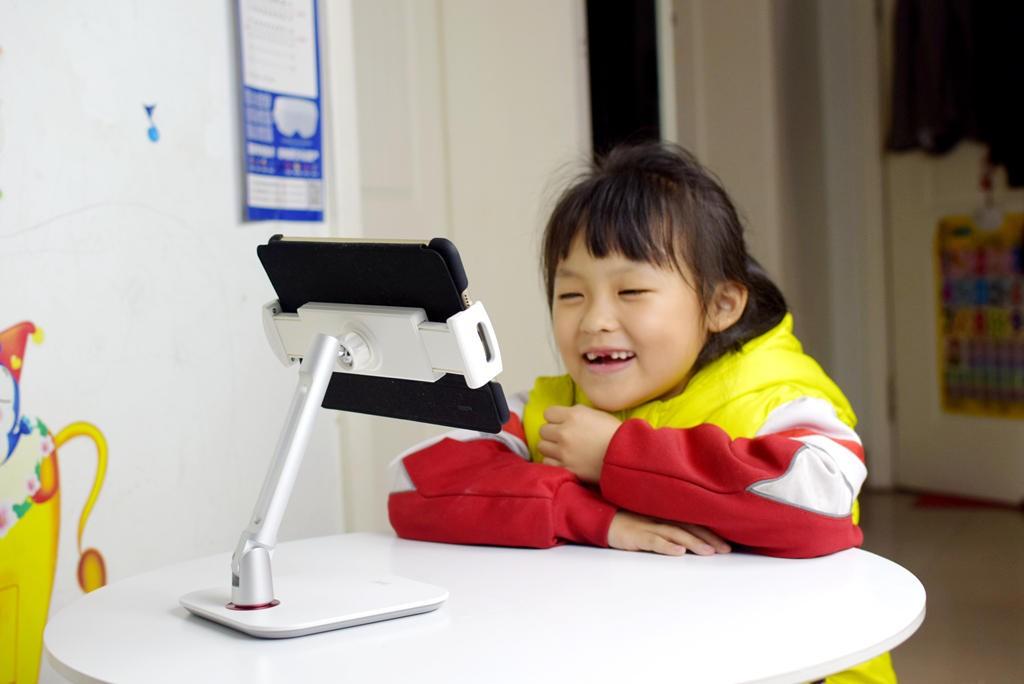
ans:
(599, 317)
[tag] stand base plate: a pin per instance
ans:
(319, 603)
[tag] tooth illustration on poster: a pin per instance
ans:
(296, 117)
(30, 513)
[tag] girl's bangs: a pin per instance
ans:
(616, 216)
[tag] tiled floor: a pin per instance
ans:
(971, 562)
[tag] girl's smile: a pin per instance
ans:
(604, 361)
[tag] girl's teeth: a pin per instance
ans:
(616, 356)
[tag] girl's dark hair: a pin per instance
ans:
(655, 203)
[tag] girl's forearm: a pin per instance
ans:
(775, 494)
(479, 492)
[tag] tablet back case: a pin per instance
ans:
(428, 276)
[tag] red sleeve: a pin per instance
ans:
(750, 491)
(479, 492)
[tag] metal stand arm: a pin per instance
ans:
(252, 583)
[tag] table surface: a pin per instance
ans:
(570, 613)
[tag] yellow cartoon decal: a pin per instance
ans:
(30, 514)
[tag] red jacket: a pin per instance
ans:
(788, 491)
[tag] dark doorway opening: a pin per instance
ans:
(623, 49)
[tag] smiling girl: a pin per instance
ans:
(689, 418)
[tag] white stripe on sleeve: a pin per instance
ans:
(808, 413)
(824, 476)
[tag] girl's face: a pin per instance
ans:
(628, 331)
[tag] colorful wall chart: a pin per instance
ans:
(981, 316)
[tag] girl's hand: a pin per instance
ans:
(632, 532)
(576, 438)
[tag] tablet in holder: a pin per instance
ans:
(419, 275)
(384, 328)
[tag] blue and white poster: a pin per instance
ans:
(281, 109)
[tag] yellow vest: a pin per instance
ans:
(737, 392)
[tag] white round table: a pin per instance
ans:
(566, 614)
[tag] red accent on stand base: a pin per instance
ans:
(232, 606)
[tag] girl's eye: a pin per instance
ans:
(569, 295)
(632, 293)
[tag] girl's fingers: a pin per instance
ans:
(684, 538)
(550, 452)
(641, 533)
(549, 432)
(547, 448)
(656, 542)
(555, 414)
(706, 535)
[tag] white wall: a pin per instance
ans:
(518, 113)
(726, 103)
(132, 257)
(470, 113)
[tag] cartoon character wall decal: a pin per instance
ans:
(30, 513)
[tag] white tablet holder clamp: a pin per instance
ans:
(392, 342)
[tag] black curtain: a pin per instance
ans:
(959, 74)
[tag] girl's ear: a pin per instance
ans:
(727, 305)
